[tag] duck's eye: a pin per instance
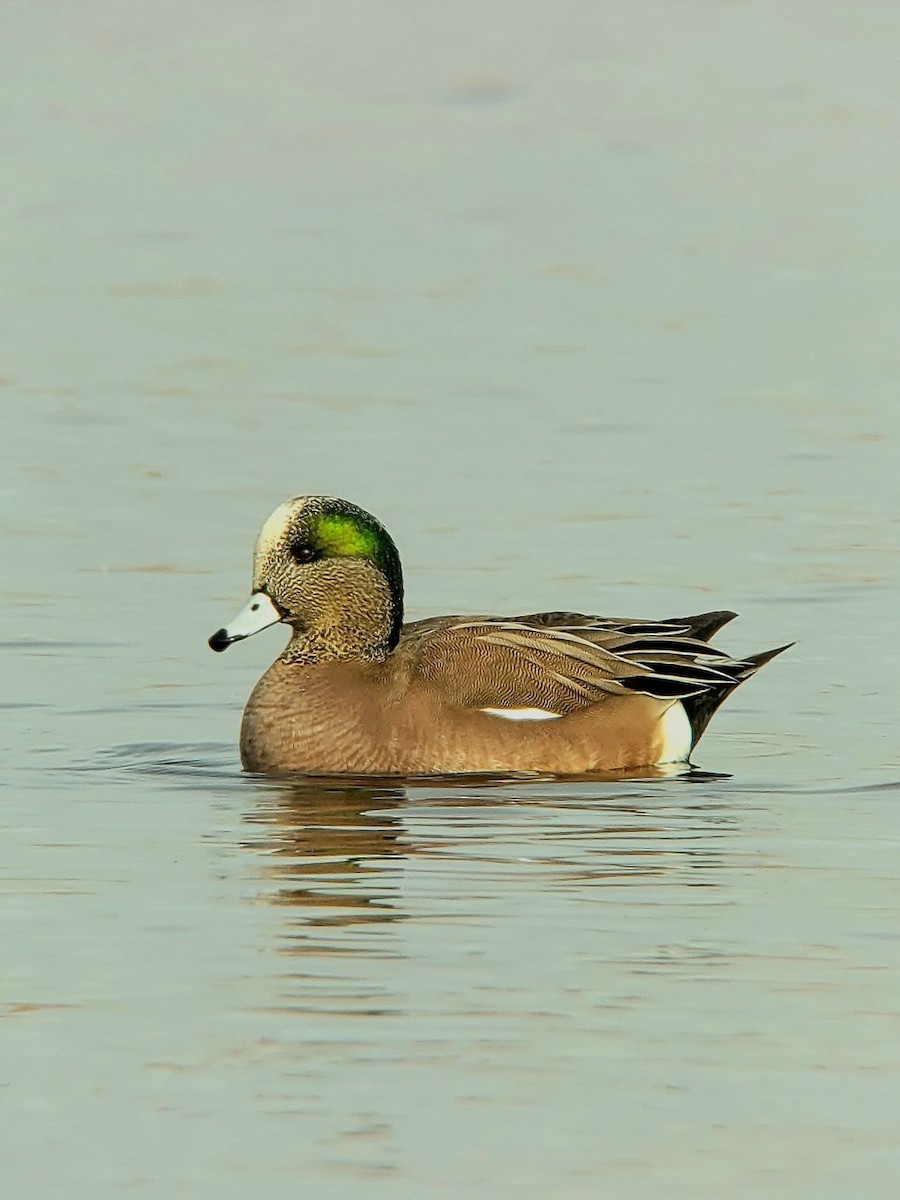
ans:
(303, 552)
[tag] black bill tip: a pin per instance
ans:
(221, 641)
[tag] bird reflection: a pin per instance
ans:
(372, 880)
(332, 849)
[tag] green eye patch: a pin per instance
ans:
(344, 537)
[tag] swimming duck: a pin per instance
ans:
(357, 691)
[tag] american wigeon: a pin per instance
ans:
(358, 692)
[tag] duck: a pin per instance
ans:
(357, 691)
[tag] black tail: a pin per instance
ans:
(700, 707)
(704, 625)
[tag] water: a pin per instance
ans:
(594, 307)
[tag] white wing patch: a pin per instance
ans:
(521, 714)
(678, 737)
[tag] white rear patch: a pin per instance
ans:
(521, 714)
(677, 734)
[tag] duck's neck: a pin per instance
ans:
(307, 647)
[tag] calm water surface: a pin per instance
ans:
(595, 306)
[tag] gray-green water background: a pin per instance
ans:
(596, 306)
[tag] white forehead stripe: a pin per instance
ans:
(521, 714)
(273, 527)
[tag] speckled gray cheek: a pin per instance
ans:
(342, 610)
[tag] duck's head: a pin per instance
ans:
(330, 571)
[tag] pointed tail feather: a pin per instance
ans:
(760, 660)
(701, 706)
(703, 626)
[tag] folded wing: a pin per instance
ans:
(563, 662)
